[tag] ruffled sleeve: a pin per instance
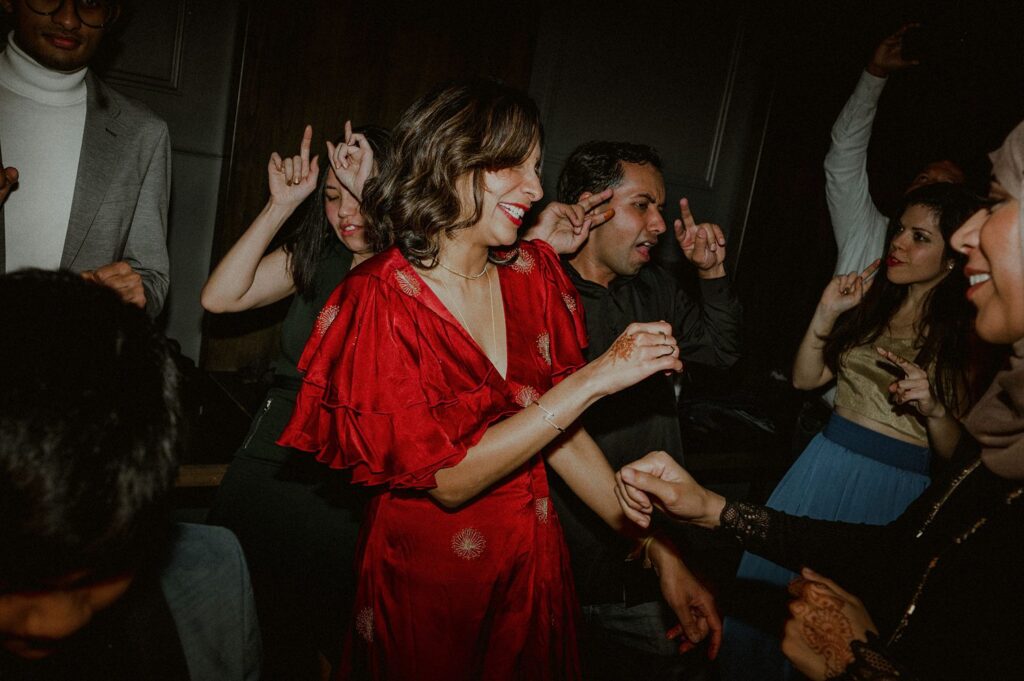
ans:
(386, 393)
(563, 308)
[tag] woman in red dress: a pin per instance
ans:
(447, 372)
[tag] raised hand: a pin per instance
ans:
(658, 480)
(566, 226)
(888, 56)
(352, 161)
(914, 388)
(703, 244)
(293, 178)
(8, 178)
(643, 349)
(826, 620)
(845, 291)
(123, 279)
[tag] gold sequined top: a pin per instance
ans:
(862, 386)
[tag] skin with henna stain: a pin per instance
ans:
(623, 347)
(825, 629)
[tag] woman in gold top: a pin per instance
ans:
(896, 344)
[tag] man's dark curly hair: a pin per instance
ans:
(596, 166)
(89, 424)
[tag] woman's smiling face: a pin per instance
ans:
(991, 239)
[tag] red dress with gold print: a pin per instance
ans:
(395, 389)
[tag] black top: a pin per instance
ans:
(967, 621)
(644, 417)
(303, 312)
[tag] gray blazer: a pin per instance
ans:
(119, 211)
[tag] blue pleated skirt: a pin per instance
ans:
(849, 473)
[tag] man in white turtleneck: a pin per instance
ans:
(85, 171)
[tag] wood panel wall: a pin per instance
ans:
(319, 62)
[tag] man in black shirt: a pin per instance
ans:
(619, 285)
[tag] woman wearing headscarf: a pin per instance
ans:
(939, 588)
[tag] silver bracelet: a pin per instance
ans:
(549, 417)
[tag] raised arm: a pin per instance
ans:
(246, 278)
(858, 225)
(708, 329)
(843, 293)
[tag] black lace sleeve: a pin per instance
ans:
(851, 554)
(871, 662)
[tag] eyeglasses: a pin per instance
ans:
(92, 13)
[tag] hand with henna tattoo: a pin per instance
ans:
(826, 620)
(622, 348)
(643, 349)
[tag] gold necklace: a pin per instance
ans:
(908, 612)
(471, 277)
(490, 306)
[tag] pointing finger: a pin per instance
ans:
(307, 140)
(684, 209)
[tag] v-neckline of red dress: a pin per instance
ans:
(438, 307)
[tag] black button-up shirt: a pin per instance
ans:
(642, 418)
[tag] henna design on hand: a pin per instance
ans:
(623, 347)
(827, 630)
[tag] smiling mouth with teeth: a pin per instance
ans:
(975, 279)
(514, 211)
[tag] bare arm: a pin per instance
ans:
(642, 350)
(246, 278)
(842, 293)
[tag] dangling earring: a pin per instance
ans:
(950, 265)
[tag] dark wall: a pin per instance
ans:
(959, 103)
(321, 62)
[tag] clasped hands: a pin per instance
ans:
(825, 618)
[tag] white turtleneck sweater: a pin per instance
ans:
(42, 119)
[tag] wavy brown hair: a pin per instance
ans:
(470, 126)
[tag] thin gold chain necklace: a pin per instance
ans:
(490, 306)
(471, 277)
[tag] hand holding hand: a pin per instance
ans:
(352, 161)
(643, 349)
(294, 178)
(703, 244)
(8, 178)
(845, 291)
(888, 56)
(658, 480)
(123, 279)
(826, 620)
(692, 603)
(565, 227)
(914, 388)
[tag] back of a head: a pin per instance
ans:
(597, 165)
(467, 126)
(88, 428)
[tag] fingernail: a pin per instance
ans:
(609, 214)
